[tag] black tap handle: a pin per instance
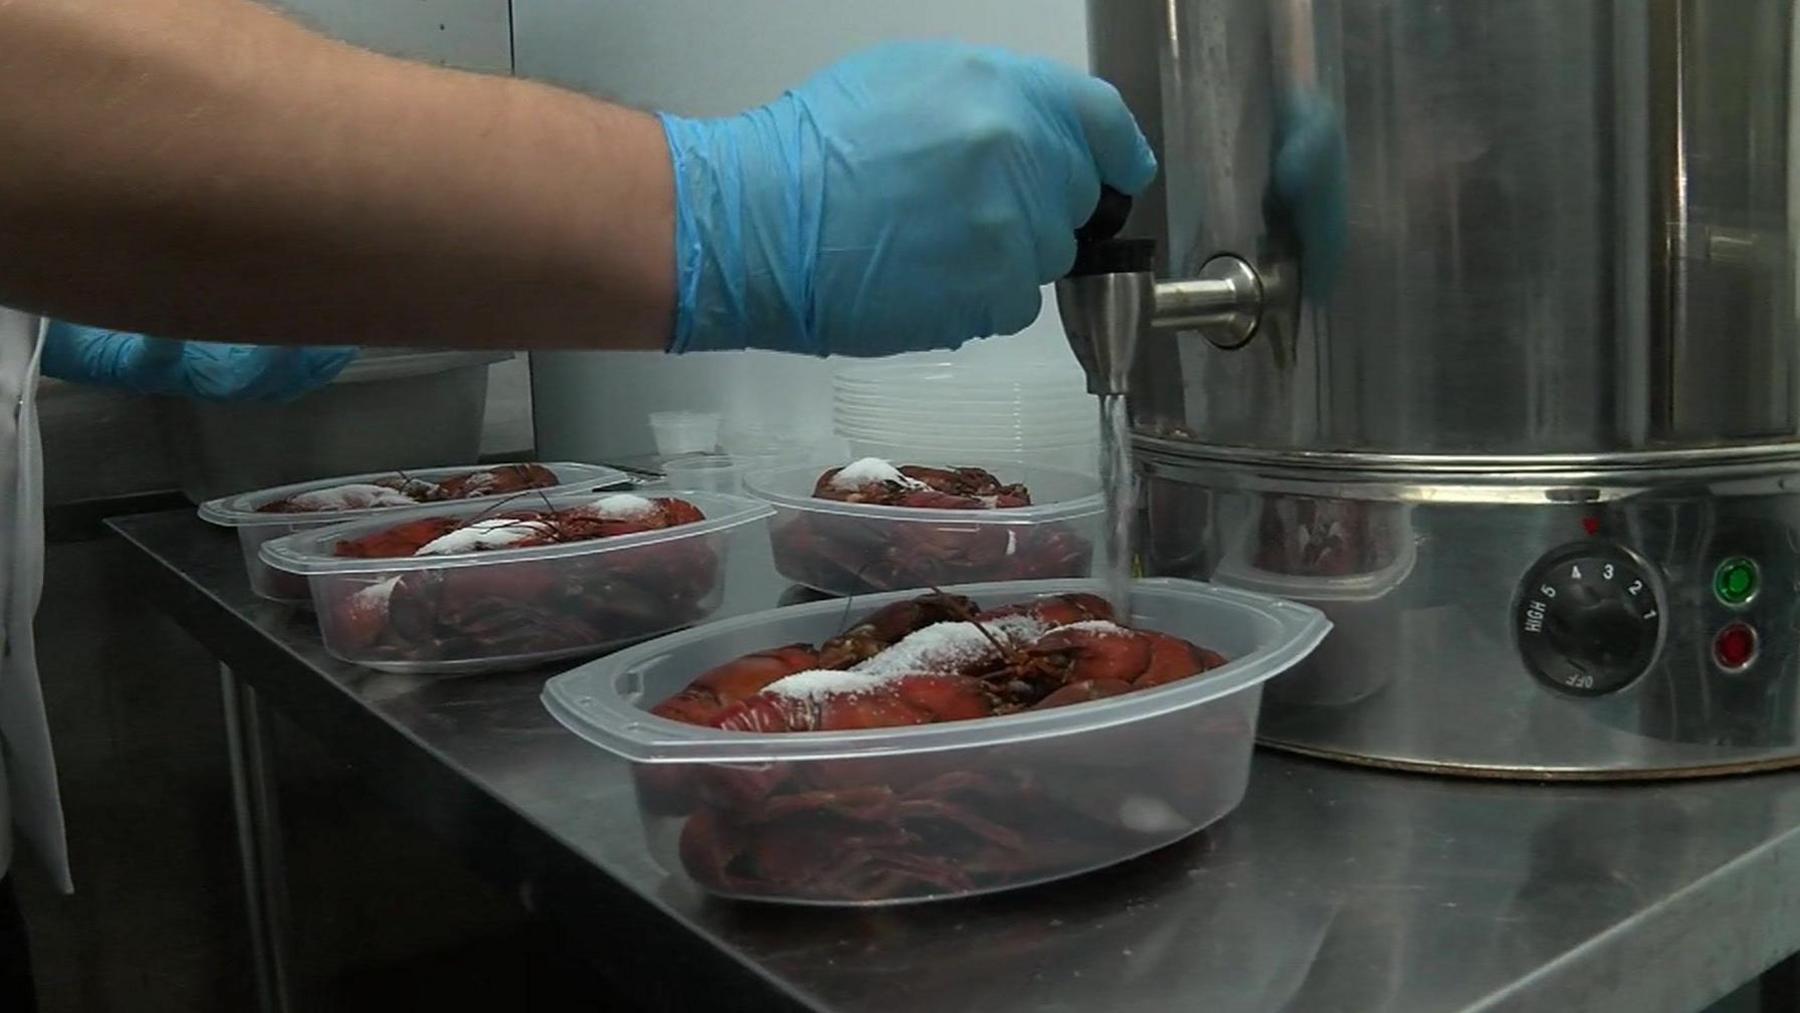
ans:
(1108, 217)
(1098, 248)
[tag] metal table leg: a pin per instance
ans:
(260, 850)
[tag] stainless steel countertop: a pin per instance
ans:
(1330, 889)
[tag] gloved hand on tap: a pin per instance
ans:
(1308, 187)
(912, 197)
(198, 369)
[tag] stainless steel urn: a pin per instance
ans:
(1515, 400)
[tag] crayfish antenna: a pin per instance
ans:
(850, 601)
(844, 623)
(551, 516)
(502, 502)
(1012, 656)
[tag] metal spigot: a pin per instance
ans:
(1111, 298)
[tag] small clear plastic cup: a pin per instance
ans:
(704, 473)
(681, 432)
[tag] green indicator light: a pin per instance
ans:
(1735, 581)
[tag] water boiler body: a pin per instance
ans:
(1524, 392)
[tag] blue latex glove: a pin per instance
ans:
(912, 197)
(197, 369)
(1308, 188)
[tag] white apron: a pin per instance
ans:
(28, 795)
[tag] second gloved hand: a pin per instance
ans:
(211, 372)
(912, 197)
(1308, 193)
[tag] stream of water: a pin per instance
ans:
(1119, 488)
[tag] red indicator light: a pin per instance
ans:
(1591, 525)
(1735, 647)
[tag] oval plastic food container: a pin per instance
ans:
(858, 548)
(1050, 793)
(510, 608)
(254, 528)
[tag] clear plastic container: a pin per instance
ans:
(254, 528)
(858, 548)
(979, 379)
(1026, 405)
(740, 436)
(705, 473)
(1064, 415)
(1055, 793)
(510, 608)
(1021, 403)
(1080, 457)
(684, 432)
(1008, 436)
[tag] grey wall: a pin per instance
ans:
(472, 34)
(711, 57)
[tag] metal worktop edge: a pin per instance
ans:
(1331, 889)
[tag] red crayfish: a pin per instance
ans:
(1091, 662)
(875, 827)
(1048, 653)
(528, 606)
(502, 481)
(916, 485)
(702, 700)
(499, 481)
(847, 552)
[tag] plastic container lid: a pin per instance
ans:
(951, 423)
(1058, 410)
(1071, 495)
(310, 552)
(1003, 442)
(1028, 406)
(599, 701)
(1024, 407)
(969, 430)
(948, 392)
(979, 375)
(1071, 457)
(240, 510)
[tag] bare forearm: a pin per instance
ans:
(204, 169)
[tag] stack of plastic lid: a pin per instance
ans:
(931, 413)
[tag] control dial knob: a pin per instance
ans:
(1589, 619)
